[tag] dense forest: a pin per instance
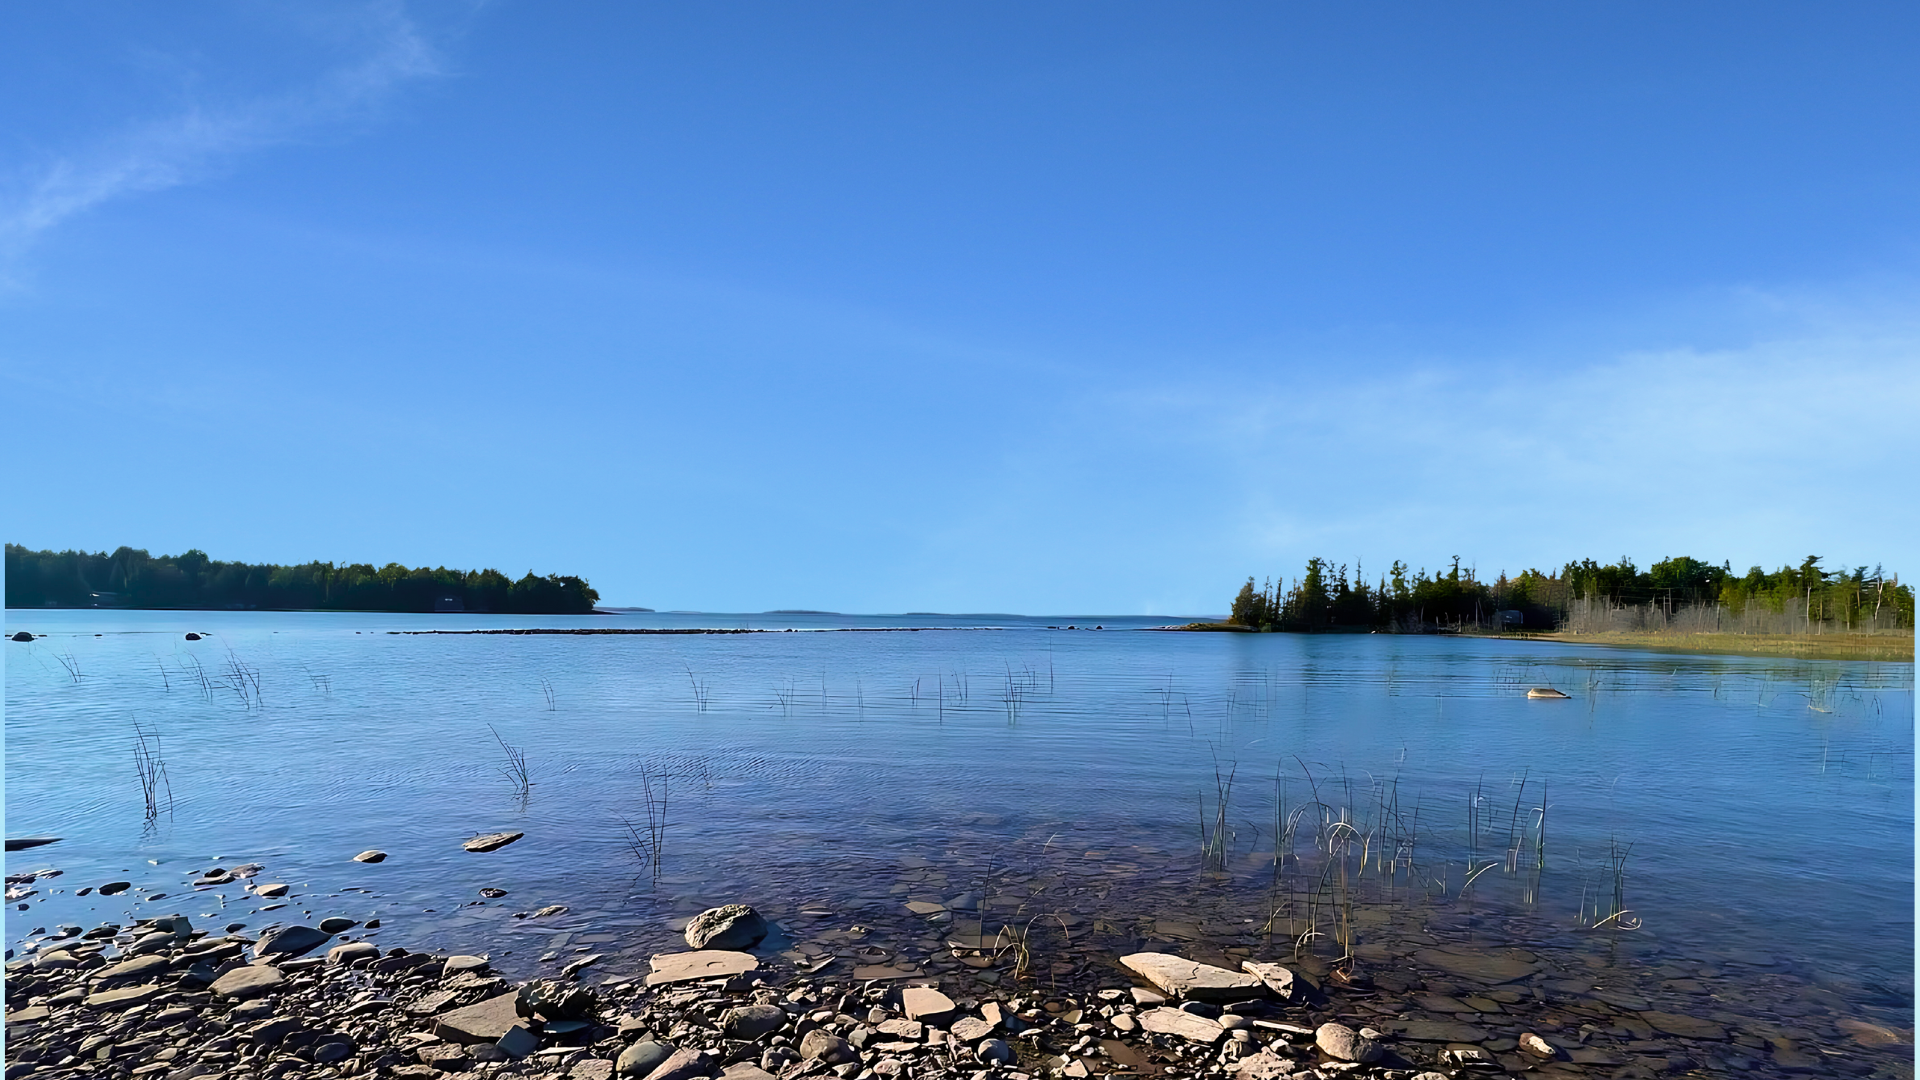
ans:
(1673, 591)
(132, 578)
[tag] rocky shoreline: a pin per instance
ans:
(162, 998)
(159, 997)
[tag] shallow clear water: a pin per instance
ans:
(1768, 804)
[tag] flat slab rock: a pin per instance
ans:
(492, 841)
(1199, 982)
(700, 964)
(1184, 1024)
(251, 981)
(484, 1021)
(1490, 968)
(1276, 978)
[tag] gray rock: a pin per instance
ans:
(371, 856)
(335, 1048)
(1276, 978)
(1179, 1022)
(484, 1022)
(248, 981)
(641, 1058)
(123, 997)
(1342, 1043)
(1184, 978)
(926, 1003)
(778, 1058)
(682, 1065)
(492, 841)
(750, 1022)
(733, 927)
(969, 1028)
(745, 1070)
(820, 1045)
(290, 941)
(129, 970)
(353, 950)
(457, 964)
(704, 964)
(996, 1052)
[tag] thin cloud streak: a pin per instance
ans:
(186, 147)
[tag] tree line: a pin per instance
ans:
(1327, 597)
(130, 577)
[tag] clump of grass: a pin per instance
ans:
(546, 691)
(699, 691)
(515, 770)
(1215, 844)
(649, 845)
(152, 771)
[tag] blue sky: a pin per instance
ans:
(1065, 308)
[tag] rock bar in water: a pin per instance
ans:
(1198, 982)
(492, 841)
(701, 964)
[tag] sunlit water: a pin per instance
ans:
(1764, 807)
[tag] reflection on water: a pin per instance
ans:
(1719, 838)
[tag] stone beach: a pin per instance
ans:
(162, 998)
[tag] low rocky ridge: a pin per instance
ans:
(162, 999)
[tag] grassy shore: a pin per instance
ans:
(1897, 648)
(1887, 647)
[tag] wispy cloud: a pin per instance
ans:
(205, 137)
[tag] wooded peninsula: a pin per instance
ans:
(131, 578)
(1679, 594)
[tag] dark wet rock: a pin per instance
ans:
(1687, 1027)
(518, 1042)
(732, 927)
(750, 1022)
(371, 855)
(337, 925)
(1342, 1043)
(491, 841)
(114, 888)
(23, 636)
(290, 941)
(493, 893)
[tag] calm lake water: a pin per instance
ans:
(1756, 816)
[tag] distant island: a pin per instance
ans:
(131, 578)
(1676, 597)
